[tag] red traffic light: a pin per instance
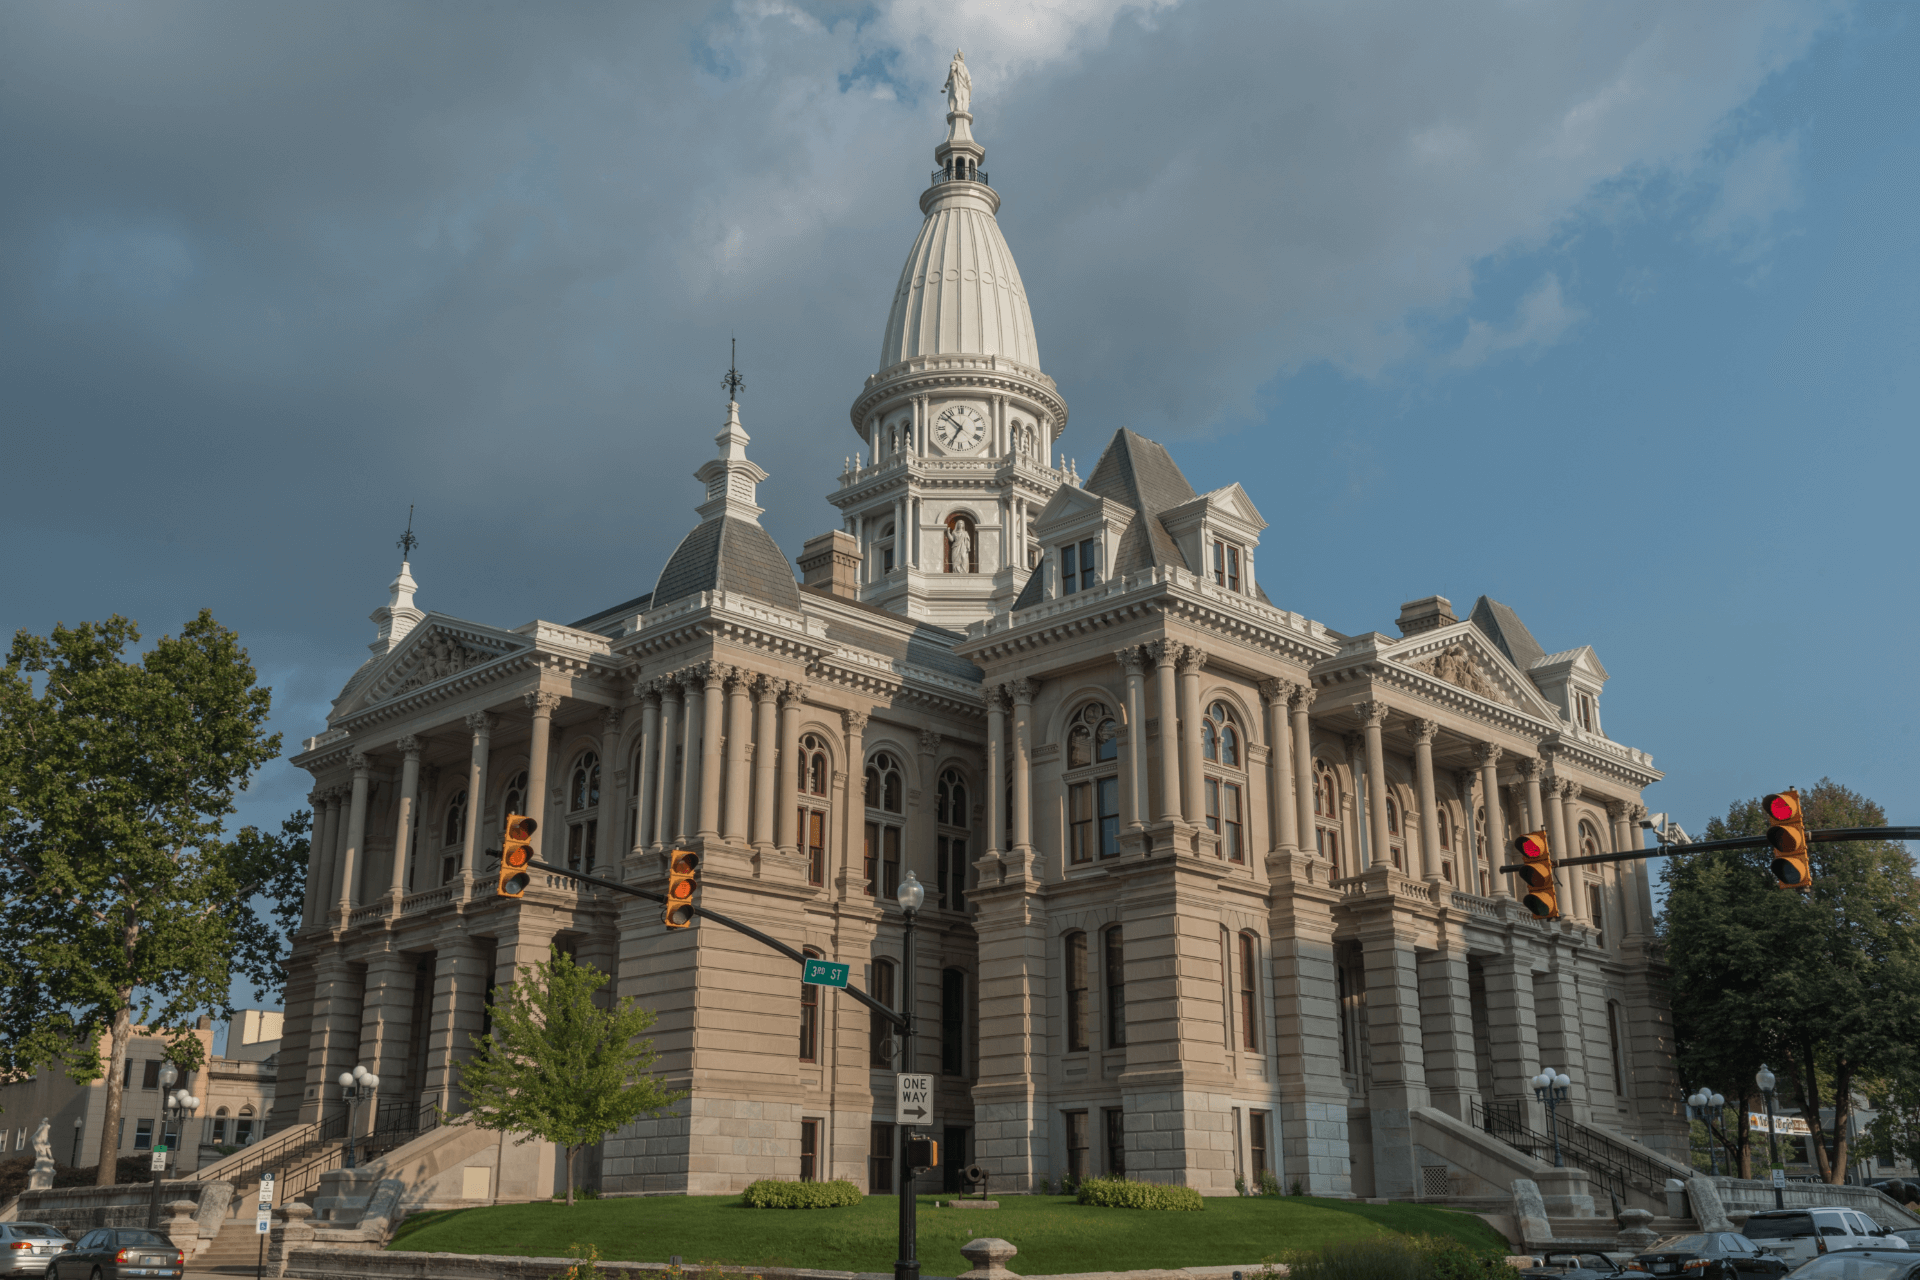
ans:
(1531, 847)
(1787, 833)
(515, 854)
(683, 879)
(1784, 807)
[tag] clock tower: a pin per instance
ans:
(958, 426)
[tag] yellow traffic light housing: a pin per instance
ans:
(683, 881)
(1536, 870)
(1787, 833)
(515, 854)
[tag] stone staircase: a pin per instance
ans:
(235, 1251)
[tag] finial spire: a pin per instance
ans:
(407, 541)
(733, 381)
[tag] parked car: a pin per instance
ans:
(1800, 1235)
(1573, 1266)
(111, 1253)
(27, 1247)
(1709, 1255)
(1862, 1264)
(1898, 1189)
(1911, 1235)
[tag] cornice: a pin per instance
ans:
(927, 373)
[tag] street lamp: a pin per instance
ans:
(911, 894)
(175, 1105)
(1553, 1088)
(356, 1086)
(79, 1123)
(1765, 1079)
(1708, 1104)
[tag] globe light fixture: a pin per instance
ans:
(911, 894)
(1553, 1087)
(356, 1086)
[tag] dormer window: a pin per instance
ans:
(1583, 709)
(1226, 564)
(1080, 566)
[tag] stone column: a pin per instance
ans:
(1640, 883)
(460, 979)
(327, 891)
(686, 796)
(356, 832)
(712, 735)
(1298, 703)
(1283, 822)
(316, 860)
(996, 770)
(1631, 925)
(1568, 877)
(1446, 1029)
(1424, 796)
(1022, 769)
(660, 817)
(1166, 654)
(409, 748)
(608, 854)
(542, 705)
(1372, 716)
(853, 806)
(1530, 777)
(786, 803)
(480, 725)
(1312, 1110)
(646, 764)
(1133, 661)
(1193, 776)
(1470, 854)
(1399, 1079)
(1489, 757)
(1512, 1040)
(739, 743)
(766, 755)
(386, 1017)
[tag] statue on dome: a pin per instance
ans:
(959, 85)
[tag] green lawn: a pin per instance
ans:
(1054, 1234)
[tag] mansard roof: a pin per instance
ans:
(727, 553)
(1503, 626)
(1141, 474)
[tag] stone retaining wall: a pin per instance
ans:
(80, 1209)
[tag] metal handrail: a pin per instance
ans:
(1502, 1120)
(287, 1150)
(978, 175)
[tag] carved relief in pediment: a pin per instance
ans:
(435, 658)
(1456, 666)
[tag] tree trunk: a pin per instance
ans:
(116, 1090)
(1842, 1112)
(570, 1155)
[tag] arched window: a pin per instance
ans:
(812, 819)
(953, 814)
(1249, 997)
(1596, 897)
(1093, 802)
(453, 836)
(1394, 835)
(884, 795)
(885, 547)
(810, 1014)
(515, 800)
(583, 814)
(1077, 1011)
(880, 1029)
(1446, 828)
(220, 1127)
(1221, 744)
(953, 1022)
(962, 545)
(1326, 811)
(1114, 954)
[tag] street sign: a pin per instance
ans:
(913, 1097)
(263, 1223)
(266, 1187)
(159, 1160)
(825, 973)
(1779, 1177)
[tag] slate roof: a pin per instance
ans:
(728, 554)
(618, 613)
(1503, 626)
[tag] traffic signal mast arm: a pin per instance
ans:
(1831, 835)
(898, 1019)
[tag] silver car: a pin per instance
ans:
(27, 1247)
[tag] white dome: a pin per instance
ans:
(960, 292)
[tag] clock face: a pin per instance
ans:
(960, 427)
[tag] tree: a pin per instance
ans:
(1823, 986)
(121, 900)
(1895, 1131)
(558, 1066)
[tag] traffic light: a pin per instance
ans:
(1787, 833)
(1536, 869)
(683, 880)
(515, 853)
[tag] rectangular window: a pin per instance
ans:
(1226, 565)
(813, 834)
(890, 850)
(1076, 992)
(953, 1022)
(1116, 1126)
(1257, 1140)
(1069, 569)
(1089, 564)
(1223, 818)
(1446, 871)
(809, 1150)
(886, 559)
(1076, 1144)
(950, 883)
(880, 1161)
(871, 866)
(1596, 903)
(1613, 1035)
(219, 1131)
(1346, 1029)
(879, 1028)
(142, 1135)
(1116, 990)
(1080, 822)
(1107, 810)
(1249, 994)
(809, 1021)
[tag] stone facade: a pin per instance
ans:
(1212, 887)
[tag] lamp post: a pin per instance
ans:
(175, 1105)
(1553, 1088)
(1708, 1104)
(911, 894)
(79, 1123)
(356, 1086)
(1764, 1078)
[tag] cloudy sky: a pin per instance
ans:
(1605, 310)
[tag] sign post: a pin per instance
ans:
(263, 1220)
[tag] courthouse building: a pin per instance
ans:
(1212, 887)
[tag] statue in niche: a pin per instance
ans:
(959, 85)
(962, 543)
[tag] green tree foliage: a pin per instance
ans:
(1824, 986)
(558, 1066)
(121, 899)
(1895, 1131)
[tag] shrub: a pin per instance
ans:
(1269, 1185)
(1118, 1193)
(586, 1264)
(771, 1193)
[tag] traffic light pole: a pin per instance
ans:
(907, 1265)
(1829, 836)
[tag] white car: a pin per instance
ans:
(1800, 1235)
(27, 1247)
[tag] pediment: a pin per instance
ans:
(440, 648)
(1462, 656)
(1233, 501)
(1071, 503)
(1583, 660)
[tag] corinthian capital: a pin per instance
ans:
(1133, 659)
(997, 699)
(929, 742)
(1302, 696)
(408, 746)
(1424, 731)
(1372, 714)
(1488, 753)
(1192, 658)
(1023, 689)
(480, 724)
(855, 721)
(357, 761)
(1529, 768)
(543, 700)
(1274, 690)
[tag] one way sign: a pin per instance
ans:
(913, 1098)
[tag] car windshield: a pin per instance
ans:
(141, 1240)
(1589, 1261)
(1685, 1244)
(1854, 1265)
(39, 1230)
(1781, 1228)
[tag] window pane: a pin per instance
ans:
(1076, 992)
(1108, 790)
(1069, 570)
(1116, 991)
(892, 845)
(1080, 821)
